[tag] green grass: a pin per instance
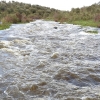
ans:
(85, 23)
(93, 32)
(4, 26)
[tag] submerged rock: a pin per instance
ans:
(55, 27)
(34, 88)
(2, 45)
(42, 84)
(55, 55)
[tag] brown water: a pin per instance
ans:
(45, 60)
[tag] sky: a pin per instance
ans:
(60, 4)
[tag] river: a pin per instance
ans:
(46, 60)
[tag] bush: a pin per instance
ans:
(12, 18)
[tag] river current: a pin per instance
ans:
(46, 60)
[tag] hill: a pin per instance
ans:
(15, 12)
(89, 15)
(18, 12)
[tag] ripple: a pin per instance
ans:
(45, 60)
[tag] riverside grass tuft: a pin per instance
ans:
(4, 26)
(92, 32)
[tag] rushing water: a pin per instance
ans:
(46, 60)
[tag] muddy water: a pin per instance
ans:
(45, 60)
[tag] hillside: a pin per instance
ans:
(18, 12)
(15, 12)
(86, 15)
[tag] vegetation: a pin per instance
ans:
(15, 12)
(4, 26)
(93, 32)
(86, 16)
(85, 23)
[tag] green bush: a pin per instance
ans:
(4, 26)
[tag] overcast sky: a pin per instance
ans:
(60, 4)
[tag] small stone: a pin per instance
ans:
(42, 83)
(41, 64)
(55, 55)
(2, 46)
(55, 27)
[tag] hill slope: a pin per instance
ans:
(15, 12)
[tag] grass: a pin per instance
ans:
(85, 23)
(93, 32)
(4, 26)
